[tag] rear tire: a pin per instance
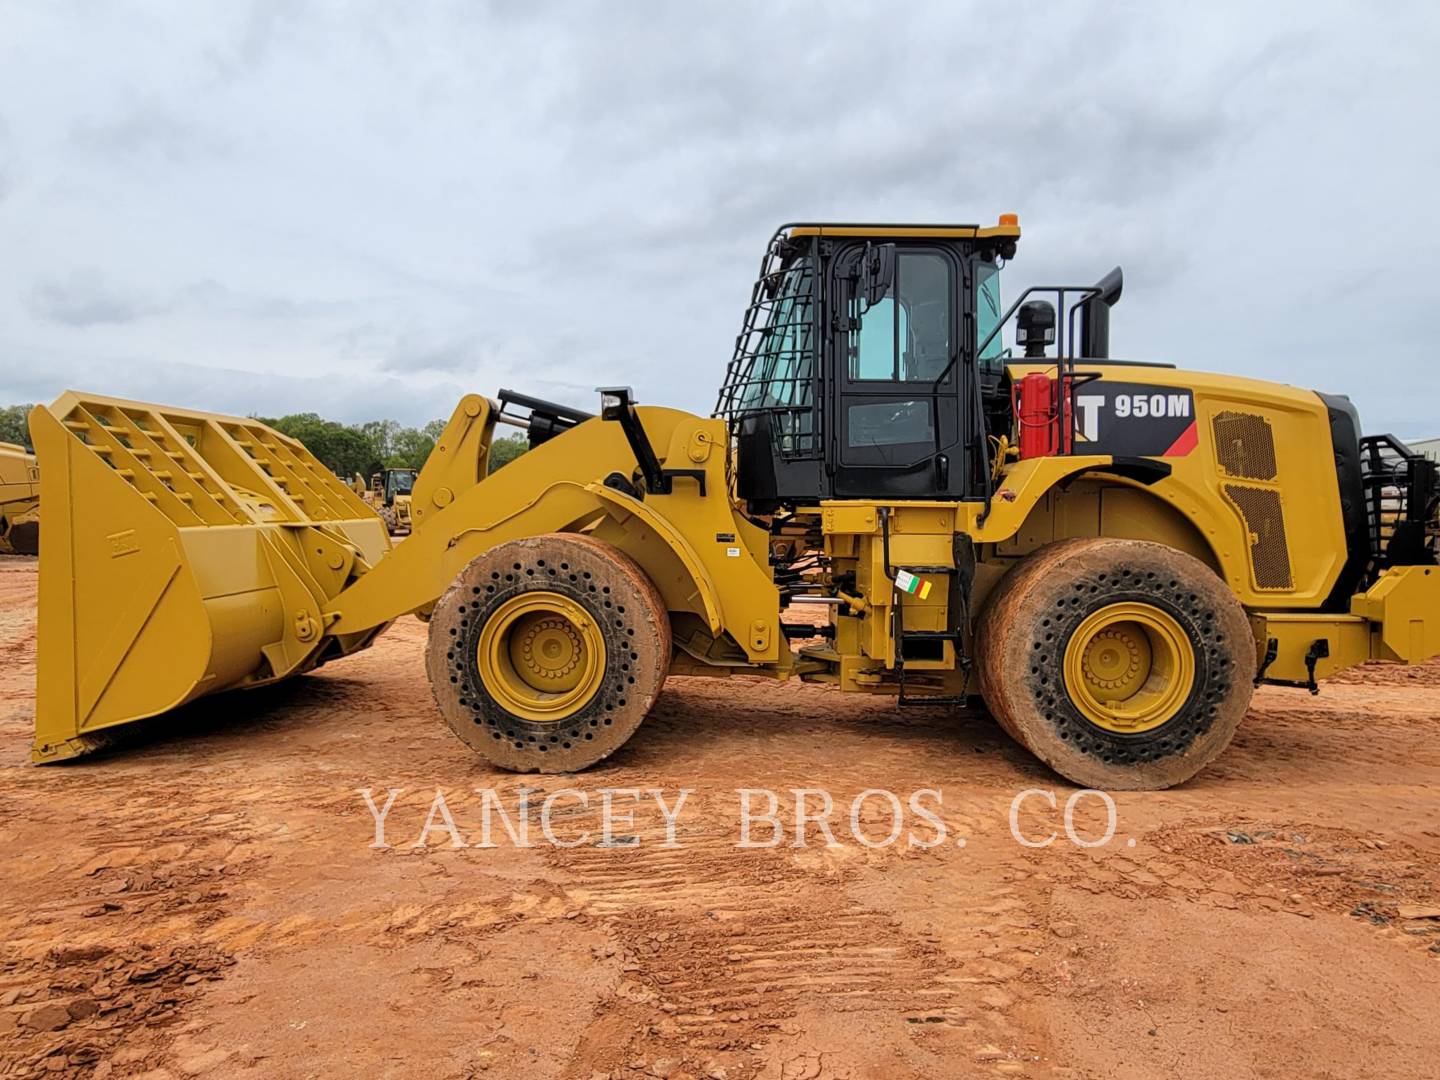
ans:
(392, 523)
(545, 654)
(24, 537)
(1121, 664)
(20, 537)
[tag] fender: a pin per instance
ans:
(623, 506)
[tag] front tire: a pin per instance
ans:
(545, 654)
(1121, 664)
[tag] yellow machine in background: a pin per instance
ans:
(388, 494)
(1112, 553)
(19, 501)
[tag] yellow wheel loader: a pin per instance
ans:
(1112, 553)
(389, 496)
(19, 501)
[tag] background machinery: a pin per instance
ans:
(1112, 553)
(19, 501)
(388, 494)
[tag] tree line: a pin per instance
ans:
(347, 449)
(13, 428)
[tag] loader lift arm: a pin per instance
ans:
(234, 558)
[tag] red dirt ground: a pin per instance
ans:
(204, 900)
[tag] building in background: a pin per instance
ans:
(1429, 447)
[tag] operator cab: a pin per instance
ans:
(393, 482)
(868, 361)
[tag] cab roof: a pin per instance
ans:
(1008, 226)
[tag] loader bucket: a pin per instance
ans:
(183, 553)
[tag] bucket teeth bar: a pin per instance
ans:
(183, 553)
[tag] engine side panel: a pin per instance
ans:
(1252, 469)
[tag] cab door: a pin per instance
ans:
(899, 377)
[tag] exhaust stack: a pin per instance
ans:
(1095, 343)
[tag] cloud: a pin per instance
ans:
(9, 164)
(412, 353)
(145, 130)
(410, 202)
(233, 391)
(86, 298)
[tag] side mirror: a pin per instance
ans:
(875, 274)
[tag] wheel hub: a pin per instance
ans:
(541, 656)
(1129, 667)
(1114, 660)
(547, 651)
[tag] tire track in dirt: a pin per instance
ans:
(725, 949)
(90, 971)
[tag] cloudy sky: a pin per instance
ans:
(368, 208)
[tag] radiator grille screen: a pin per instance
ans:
(1245, 445)
(1269, 551)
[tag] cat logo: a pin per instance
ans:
(1134, 420)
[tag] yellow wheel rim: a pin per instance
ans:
(541, 656)
(1129, 667)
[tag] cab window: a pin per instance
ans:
(906, 335)
(987, 316)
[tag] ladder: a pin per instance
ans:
(960, 575)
